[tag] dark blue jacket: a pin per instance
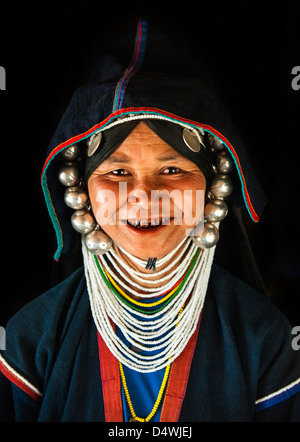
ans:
(244, 367)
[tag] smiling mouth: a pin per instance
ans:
(145, 224)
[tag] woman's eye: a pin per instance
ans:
(119, 172)
(171, 170)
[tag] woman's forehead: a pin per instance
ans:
(143, 141)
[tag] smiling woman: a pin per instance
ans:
(149, 329)
(145, 223)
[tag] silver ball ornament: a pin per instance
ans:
(224, 162)
(68, 174)
(208, 238)
(221, 186)
(82, 221)
(215, 210)
(97, 242)
(71, 153)
(76, 197)
(215, 143)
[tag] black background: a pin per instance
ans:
(47, 50)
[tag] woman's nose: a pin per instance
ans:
(140, 193)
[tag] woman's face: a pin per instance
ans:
(147, 224)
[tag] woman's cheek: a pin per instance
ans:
(104, 200)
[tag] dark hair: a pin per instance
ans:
(170, 132)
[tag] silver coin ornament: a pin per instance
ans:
(82, 221)
(97, 242)
(191, 140)
(221, 186)
(71, 153)
(224, 162)
(94, 143)
(76, 197)
(215, 210)
(68, 174)
(208, 238)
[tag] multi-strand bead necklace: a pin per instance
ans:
(149, 327)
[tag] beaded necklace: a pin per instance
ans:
(119, 265)
(163, 333)
(134, 417)
(169, 295)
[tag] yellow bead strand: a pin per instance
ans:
(133, 301)
(157, 402)
(159, 396)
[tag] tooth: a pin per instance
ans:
(134, 222)
(165, 221)
(144, 222)
(155, 222)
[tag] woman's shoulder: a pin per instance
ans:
(36, 330)
(50, 304)
(239, 302)
(223, 282)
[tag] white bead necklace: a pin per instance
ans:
(172, 277)
(162, 331)
(159, 262)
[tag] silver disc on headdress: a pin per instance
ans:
(94, 143)
(191, 140)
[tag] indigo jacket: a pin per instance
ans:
(244, 367)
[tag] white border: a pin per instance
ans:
(19, 377)
(278, 392)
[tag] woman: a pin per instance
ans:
(149, 329)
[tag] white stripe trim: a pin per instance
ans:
(141, 116)
(278, 392)
(18, 376)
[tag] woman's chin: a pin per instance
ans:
(148, 243)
